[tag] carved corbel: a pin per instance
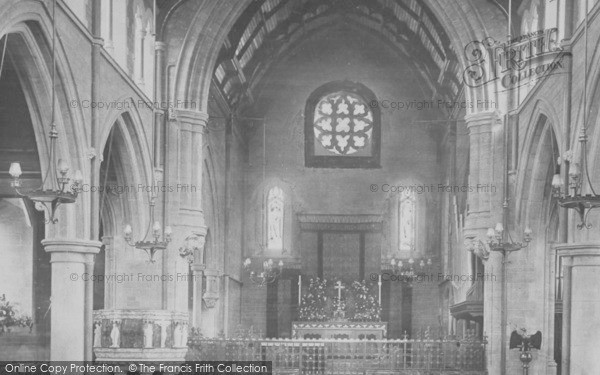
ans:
(211, 293)
(193, 248)
(477, 247)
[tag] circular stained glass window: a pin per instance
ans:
(343, 123)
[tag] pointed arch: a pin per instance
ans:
(30, 48)
(195, 49)
(542, 136)
(214, 254)
(131, 162)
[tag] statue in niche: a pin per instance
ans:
(148, 334)
(184, 335)
(177, 333)
(406, 221)
(275, 208)
(115, 335)
(97, 334)
(163, 333)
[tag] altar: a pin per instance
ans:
(339, 330)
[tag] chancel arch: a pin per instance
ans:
(191, 66)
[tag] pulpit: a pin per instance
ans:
(339, 330)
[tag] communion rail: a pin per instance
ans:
(328, 356)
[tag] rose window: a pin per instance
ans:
(343, 123)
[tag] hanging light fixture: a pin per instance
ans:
(578, 172)
(57, 186)
(150, 246)
(270, 272)
(410, 268)
(501, 240)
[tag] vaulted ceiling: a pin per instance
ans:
(268, 28)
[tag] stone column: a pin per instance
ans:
(184, 165)
(211, 318)
(581, 307)
(140, 33)
(159, 113)
(107, 25)
(197, 276)
(485, 210)
(71, 314)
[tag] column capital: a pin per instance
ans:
(212, 272)
(191, 117)
(198, 268)
(478, 222)
(71, 250)
(482, 119)
(160, 46)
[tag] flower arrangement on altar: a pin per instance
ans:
(366, 307)
(313, 307)
(356, 303)
(9, 317)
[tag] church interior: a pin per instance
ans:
(334, 186)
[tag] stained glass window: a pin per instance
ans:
(342, 127)
(275, 210)
(343, 123)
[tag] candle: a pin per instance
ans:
(379, 287)
(299, 289)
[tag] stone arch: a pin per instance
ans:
(194, 49)
(593, 143)
(211, 209)
(465, 23)
(542, 147)
(536, 208)
(31, 31)
(593, 118)
(133, 167)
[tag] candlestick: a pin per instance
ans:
(299, 289)
(379, 287)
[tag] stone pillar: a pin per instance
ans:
(140, 33)
(485, 209)
(184, 165)
(581, 307)
(71, 314)
(197, 276)
(110, 288)
(211, 316)
(107, 25)
(159, 113)
(485, 163)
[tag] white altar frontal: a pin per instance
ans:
(339, 330)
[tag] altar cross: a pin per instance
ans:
(339, 288)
